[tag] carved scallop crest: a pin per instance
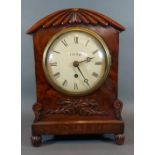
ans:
(75, 16)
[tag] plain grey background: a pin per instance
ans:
(120, 10)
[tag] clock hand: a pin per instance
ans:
(80, 72)
(76, 64)
(85, 80)
(88, 59)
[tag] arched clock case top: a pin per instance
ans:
(60, 114)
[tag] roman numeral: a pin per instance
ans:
(64, 42)
(56, 52)
(65, 83)
(75, 86)
(95, 74)
(57, 75)
(87, 43)
(53, 64)
(98, 63)
(76, 40)
(94, 52)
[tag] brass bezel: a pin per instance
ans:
(108, 60)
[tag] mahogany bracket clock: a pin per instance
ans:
(76, 66)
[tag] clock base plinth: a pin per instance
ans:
(78, 127)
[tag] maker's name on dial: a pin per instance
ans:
(76, 54)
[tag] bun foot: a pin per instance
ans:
(119, 139)
(36, 140)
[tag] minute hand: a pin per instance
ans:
(80, 72)
(85, 80)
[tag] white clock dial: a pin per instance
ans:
(76, 61)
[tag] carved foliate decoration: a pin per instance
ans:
(77, 106)
(75, 16)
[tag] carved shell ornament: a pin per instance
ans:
(75, 16)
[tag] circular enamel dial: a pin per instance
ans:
(76, 61)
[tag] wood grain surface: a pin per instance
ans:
(50, 115)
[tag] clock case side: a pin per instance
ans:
(49, 101)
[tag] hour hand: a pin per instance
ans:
(88, 59)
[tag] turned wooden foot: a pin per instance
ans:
(36, 140)
(119, 139)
